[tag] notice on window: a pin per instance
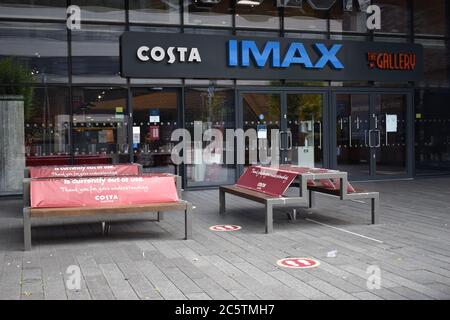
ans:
(154, 116)
(391, 123)
(262, 131)
(136, 134)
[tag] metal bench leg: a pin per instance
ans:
(160, 216)
(375, 208)
(221, 202)
(26, 229)
(269, 218)
(188, 222)
(292, 215)
(312, 199)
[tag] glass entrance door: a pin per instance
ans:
(291, 120)
(391, 133)
(261, 114)
(305, 129)
(372, 134)
(352, 134)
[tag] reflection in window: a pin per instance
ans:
(305, 18)
(203, 12)
(436, 62)
(46, 118)
(264, 15)
(104, 10)
(154, 120)
(351, 21)
(100, 125)
(155, 11)
(432, 131)
(35, 9)
(45, 54)
(431, 17)
(95, 51)
(209, 108)
(394, 15)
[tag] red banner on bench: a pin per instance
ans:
(101, 191)
(84, 171)
(267, 180)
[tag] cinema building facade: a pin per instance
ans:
(85, 82)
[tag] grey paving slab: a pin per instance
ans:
(148, 260)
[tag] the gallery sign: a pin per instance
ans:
(161, 55)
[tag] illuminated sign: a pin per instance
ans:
(392, 60)
(198, 56)
(296, 53)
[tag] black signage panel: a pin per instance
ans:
(162, 55)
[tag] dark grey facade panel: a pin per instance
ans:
(351, 62)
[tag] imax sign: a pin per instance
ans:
(241, 53)
(199, 56)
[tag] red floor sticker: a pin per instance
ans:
(225, 227)
(298, 263)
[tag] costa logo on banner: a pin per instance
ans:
(298, 263)
(84, 171)
(225, 227)
(267, 180)
(101, 191)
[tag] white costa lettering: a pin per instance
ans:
(172, 54)
(107, 197)
(140, 53)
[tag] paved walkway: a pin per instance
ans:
(147, 260)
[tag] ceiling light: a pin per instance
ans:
(249, 2)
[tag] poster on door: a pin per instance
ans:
(391, 123)
(153, 132)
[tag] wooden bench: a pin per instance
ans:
(104, 214)
(269, 201)
(357, 195)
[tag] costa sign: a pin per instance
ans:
(163, 55)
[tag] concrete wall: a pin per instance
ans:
(12, 149)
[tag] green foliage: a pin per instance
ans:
(15, 79)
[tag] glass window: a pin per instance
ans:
(350, 21)
(100, 125)
(394, 16)
(432, 131)
(34, 131)
(209, 108)
(47, 119)
(204, 12)
(264, 15)
(305, 18)
(154, 119)
(101, 10)
(436, 62)
(35, 9)
(95, 54)
(155, 11)
(39, 48)
(431, 17)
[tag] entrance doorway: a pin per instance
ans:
(298, 118)
(365, 133)
(373, 134)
